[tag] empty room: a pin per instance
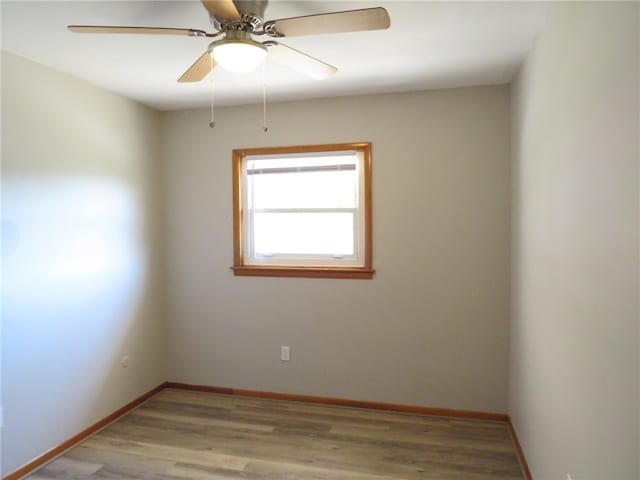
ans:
(309, 240)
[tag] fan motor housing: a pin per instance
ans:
(251, 11)
(254, 8)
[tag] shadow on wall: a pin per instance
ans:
(73, 269)
(71, 248)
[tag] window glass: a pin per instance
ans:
(304, 234)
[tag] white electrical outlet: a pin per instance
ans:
(125, 361)
(285, 353)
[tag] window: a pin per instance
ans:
(303, 211)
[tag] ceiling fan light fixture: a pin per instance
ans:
(238, 54)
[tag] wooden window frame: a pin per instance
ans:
(241, 269)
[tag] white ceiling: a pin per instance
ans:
(429, 45)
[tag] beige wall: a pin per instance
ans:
(431, 328)
(80, 257)
(574, 352)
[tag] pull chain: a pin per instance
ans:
(265, 128)
(212, 123)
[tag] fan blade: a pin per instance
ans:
(139, 30)
(290, 57)
(199, 69)
(223, 9)
(336, 22)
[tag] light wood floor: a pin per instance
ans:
(197, 436)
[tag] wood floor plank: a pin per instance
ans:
(199, 436)
(67, 466)
(211, 422)
(204, 457)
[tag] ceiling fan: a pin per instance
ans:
(237, 21)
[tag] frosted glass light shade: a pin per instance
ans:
(239, 55)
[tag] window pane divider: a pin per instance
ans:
(304, 210)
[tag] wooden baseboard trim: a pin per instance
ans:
(76, 439)
(519, 451)
(392, 407)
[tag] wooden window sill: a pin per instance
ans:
(304, 272)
